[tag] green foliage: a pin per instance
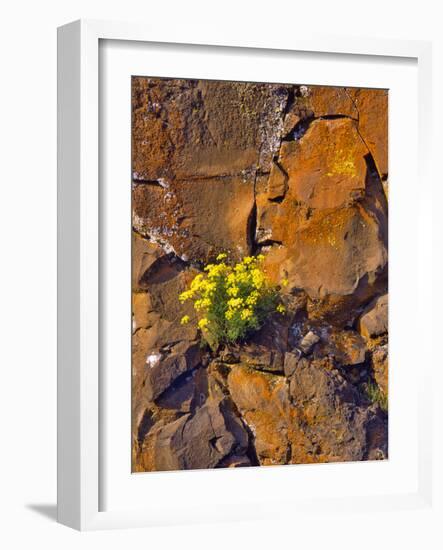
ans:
(231, 301)
(375, 395)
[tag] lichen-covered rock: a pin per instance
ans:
(265, 349)
(374, 320)
(197, 219)
(298, 173)
(380, 367)
(331, 423)
(262, 400)
(326, 166)
(330, 226)
(162, 369)
(199, 440)
(324, 101)
(372, 107)
(347, 347)
(308, 342)
(188, 129)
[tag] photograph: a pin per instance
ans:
(259, 274)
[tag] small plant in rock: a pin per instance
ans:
(232, 301)
(375, 395)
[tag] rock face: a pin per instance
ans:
(296, 173)
(331, 422)
(374, 321)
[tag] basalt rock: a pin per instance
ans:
(299, 174)
(347, 347)
(200, 440)
(380, 366)
(263, 401)
(331, 422)
(161, 370)
(330, 228)
(189, 129)
(374, 320)
(197, 219)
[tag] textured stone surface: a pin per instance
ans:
(262, 400)
(372, 107)
(380, 366)
(331, 225)
(374, 321)
(347, 347)
(196, 441)
(161, 370)
(186, 129)
(331, 423)
(197, 219)
(299, 174)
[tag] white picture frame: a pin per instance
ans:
(79, 257)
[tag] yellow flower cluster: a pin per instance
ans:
(231, 300)
(203, 323)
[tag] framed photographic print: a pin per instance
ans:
(233, 231)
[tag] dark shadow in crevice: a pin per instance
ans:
(251, 229)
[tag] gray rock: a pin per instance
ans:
(162, 370)
(201, 440)
(332, 418)
(291, 362)
(261, 358)
(346, 346)
(308, 342)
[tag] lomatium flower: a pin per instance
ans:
(186, 295)
(232, 301)
(258, 278)
(203, 323)
(233, 291)
(235, 303)
(246, 314)
(252, 298)
(185, 319)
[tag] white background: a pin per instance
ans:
(28, 260)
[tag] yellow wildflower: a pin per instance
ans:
(284, 282)
(246, 314)
(197, 282)
(185, 295)
(281, 308)
(203, 323)
(258, 278)
(215, 270)
(252, 298)
(222, 256)
(235, 302)
(185, 319)
(233, 291)
(231, 278)
(229, 314)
